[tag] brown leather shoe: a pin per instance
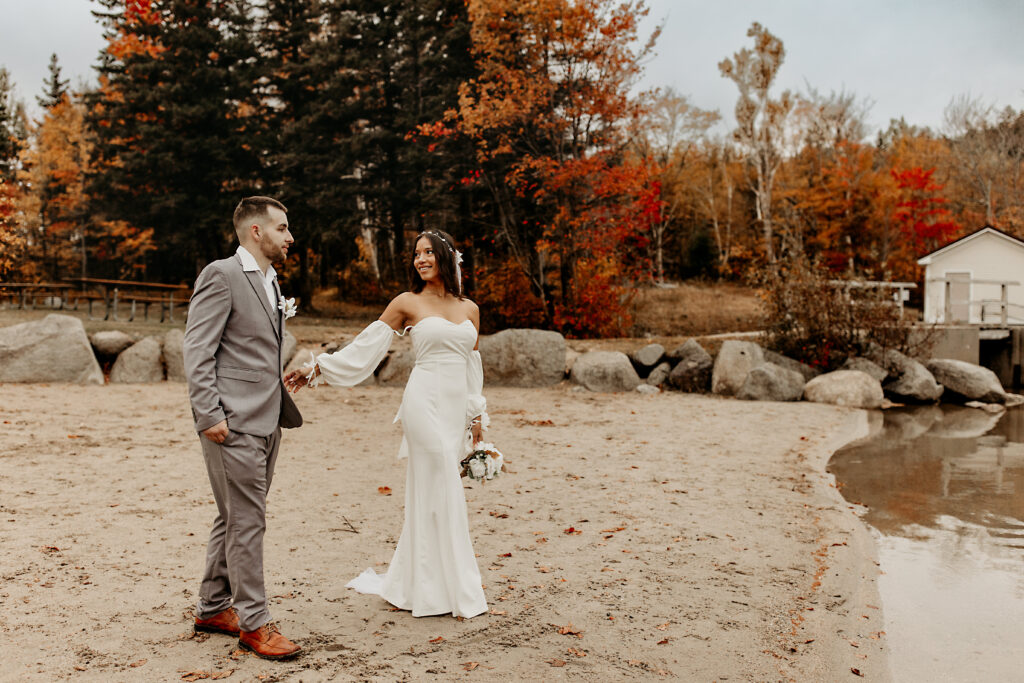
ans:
(268, 643)
(224, 622)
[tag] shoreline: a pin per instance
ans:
(847, 559)
(682, 536)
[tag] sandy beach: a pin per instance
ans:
(637, 537)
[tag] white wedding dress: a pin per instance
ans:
(433, 570)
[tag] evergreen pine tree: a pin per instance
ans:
(176, 119)
(54, 87)
(12, 127)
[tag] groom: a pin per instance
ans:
(233, 345)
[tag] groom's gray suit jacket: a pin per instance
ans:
(233, 363)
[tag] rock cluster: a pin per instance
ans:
(745, 370)
(56, 349)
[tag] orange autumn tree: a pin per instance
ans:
(12, 242)
(54, 203)
(548, 115)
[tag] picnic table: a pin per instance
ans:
(28, 292)
(112, 292)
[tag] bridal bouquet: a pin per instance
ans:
(483, 463)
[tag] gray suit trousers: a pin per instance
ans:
(240, 470)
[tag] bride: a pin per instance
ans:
(433, 570)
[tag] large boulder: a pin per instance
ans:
(570, 357)
(646, 358)
(734, 362)
(867, 366)
(174, 347)
(770, 382)
(910, 381)
(605, 371)
(692, 372)
(109, 343)
(845, 388)
(805, 370)
(659, 375)
(397, 367)
(966, 381)
(54, 349)
(288, 346)
(523, 358)
(139, 363)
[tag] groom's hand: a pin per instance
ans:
(218, 432)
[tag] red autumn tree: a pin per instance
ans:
(922, 215)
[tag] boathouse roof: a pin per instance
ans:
(985, 230)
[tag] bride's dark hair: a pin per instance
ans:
(444, 256)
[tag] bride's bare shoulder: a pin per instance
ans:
(401, 308)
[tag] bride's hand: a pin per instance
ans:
(478, 433)
(295, 380)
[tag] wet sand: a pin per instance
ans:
(672, 536)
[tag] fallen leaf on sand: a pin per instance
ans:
(663, 641)
(569, 630)
(199, 675)
(577, 652)
(612, 531)
(384, 490)
(499, 612)
(663, 626)
(635, 662)
(544, 570)
(439, 639)
(469, 666)
(79, 668)
(876, 635)
(505, 555)
(137, 664)
(856, 672)
(572, 531)
(556, 662)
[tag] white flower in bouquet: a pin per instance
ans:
(484, 462)
(492, 467)
(477, 468)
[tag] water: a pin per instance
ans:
(944, 487)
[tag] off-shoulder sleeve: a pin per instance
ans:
(476, 404)
(349, 366)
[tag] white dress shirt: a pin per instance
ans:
(249, 263)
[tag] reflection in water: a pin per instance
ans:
(945, 490)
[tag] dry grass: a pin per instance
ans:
(693, 310)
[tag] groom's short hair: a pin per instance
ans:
(253, 207)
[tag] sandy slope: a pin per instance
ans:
(706, 544)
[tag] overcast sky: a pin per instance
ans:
(909, 57)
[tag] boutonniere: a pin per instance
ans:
(287, 306)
